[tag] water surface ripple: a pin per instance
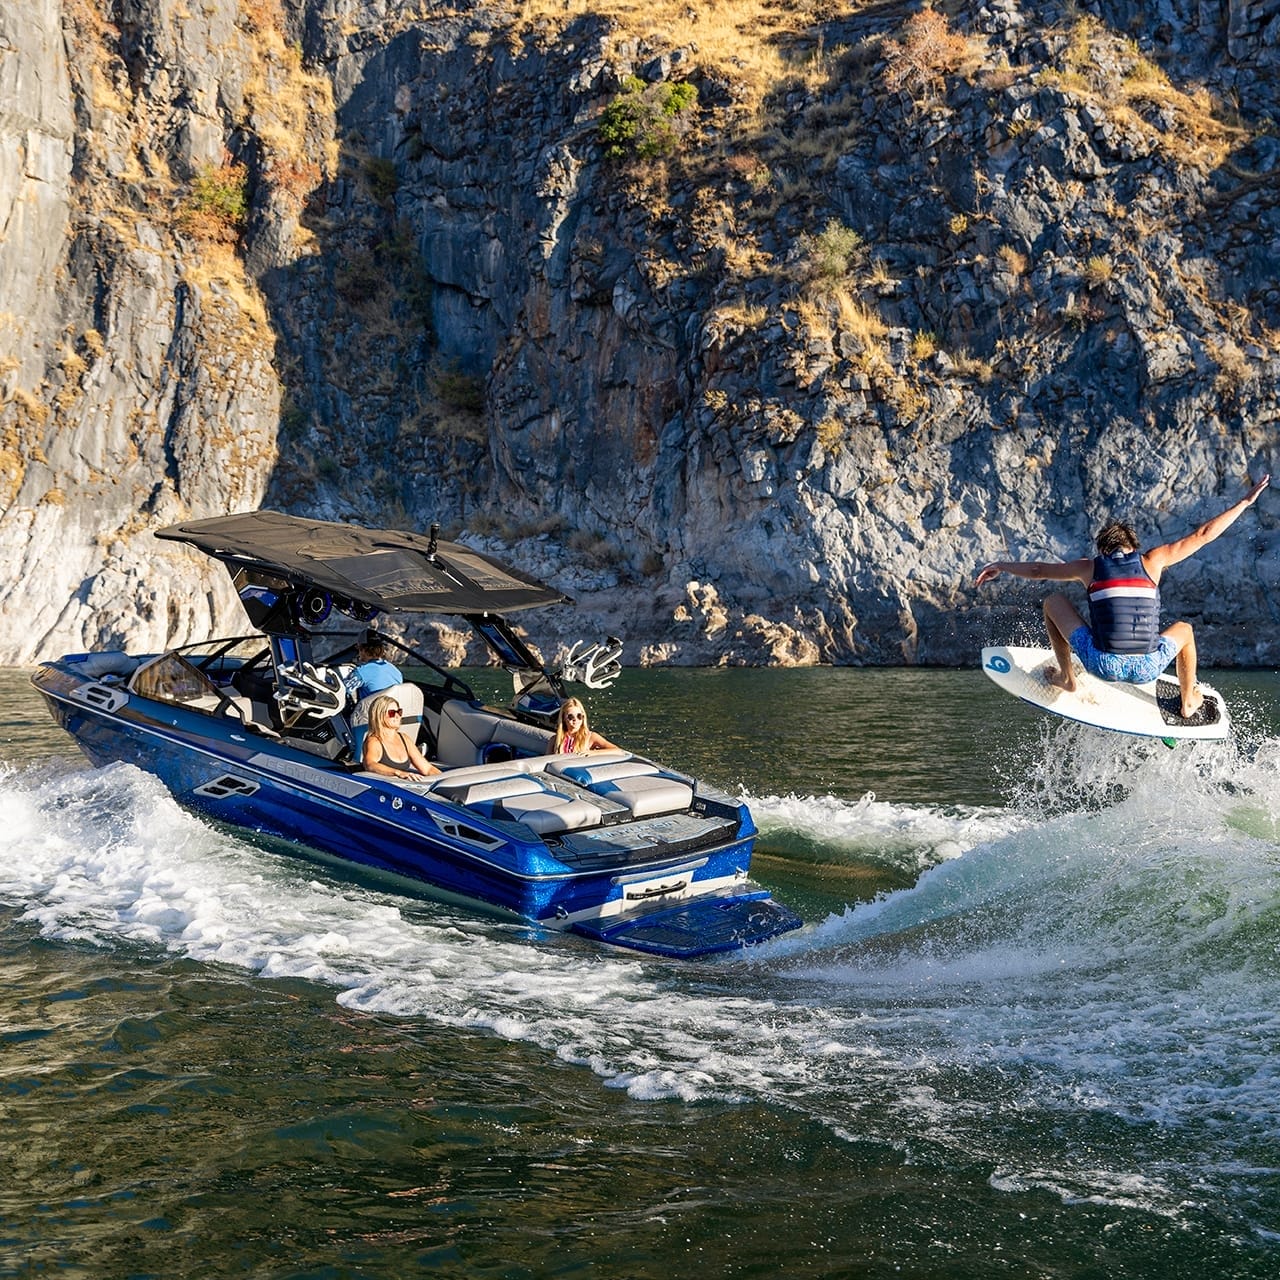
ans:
(1032, 1027)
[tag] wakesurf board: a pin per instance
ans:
(1150, 710)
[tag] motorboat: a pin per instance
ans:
(260, 732)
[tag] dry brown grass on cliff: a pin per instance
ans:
(857, 319)
(757, 43)
(1110, 72)
(227, 289)
(290, 107)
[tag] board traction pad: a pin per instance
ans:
(1169, 700)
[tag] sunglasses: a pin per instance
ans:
(575, 715)
(394, 711)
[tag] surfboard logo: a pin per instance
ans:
(998, 662)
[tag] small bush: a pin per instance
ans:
(460, 390)
(924, 345)
(1097, 271)
(1081, 315)
(359, 278)
(293, 419)
(647, 121)
(380, 174)
(831, 434)
(829, 255)
(1015, 261)
(597, 548)
(928, 51)
(217, 207)
(970, 366)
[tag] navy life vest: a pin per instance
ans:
(1124, 605)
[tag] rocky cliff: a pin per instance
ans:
(757, 325)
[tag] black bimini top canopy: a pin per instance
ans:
(379, 568)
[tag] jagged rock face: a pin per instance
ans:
(138, 385)
(642, 379)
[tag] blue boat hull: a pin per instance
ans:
(667, 900)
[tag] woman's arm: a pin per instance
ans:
(418, 760)
(599, 742)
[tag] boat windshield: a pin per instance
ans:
(171, 678)
(199, 675)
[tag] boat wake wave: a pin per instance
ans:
(906, 838)
(1060, 979)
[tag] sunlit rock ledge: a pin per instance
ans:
(853, 308)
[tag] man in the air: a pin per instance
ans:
(1122, 640)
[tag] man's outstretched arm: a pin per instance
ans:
(1160, 558)
(1042, 570)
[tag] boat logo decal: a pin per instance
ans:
(337, 784)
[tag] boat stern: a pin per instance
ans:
(702, 926)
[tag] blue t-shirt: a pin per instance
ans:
(373, 677)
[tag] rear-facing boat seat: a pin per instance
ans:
(547, 812)
(522, 797)
(640, 787)
(466, 734)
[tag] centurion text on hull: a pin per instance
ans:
(259, 732)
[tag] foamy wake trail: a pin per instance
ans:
(1107, 962)
(107, 857)
(1056, 969)
(903, 837)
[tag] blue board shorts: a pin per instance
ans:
(1123, 668)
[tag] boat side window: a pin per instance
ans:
(172, 679)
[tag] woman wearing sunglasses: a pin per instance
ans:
(388, 750)
(574, 735)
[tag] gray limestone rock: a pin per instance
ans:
(656, 383)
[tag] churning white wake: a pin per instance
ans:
(1095, 961)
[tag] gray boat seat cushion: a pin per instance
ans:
(474, 791)
(576, 769)
(465, 731)
(519, 794)
(645, 795)
(637, 785)
(547, 812)
(525, 764)
(110, 662)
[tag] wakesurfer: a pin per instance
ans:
(1122, 640)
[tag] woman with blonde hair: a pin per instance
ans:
(573, 735)
(388, 750)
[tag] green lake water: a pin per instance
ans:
(1030, 1029)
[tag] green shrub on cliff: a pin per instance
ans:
(380, 174)
(829, 255)
(647, 121)
(217, 206)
